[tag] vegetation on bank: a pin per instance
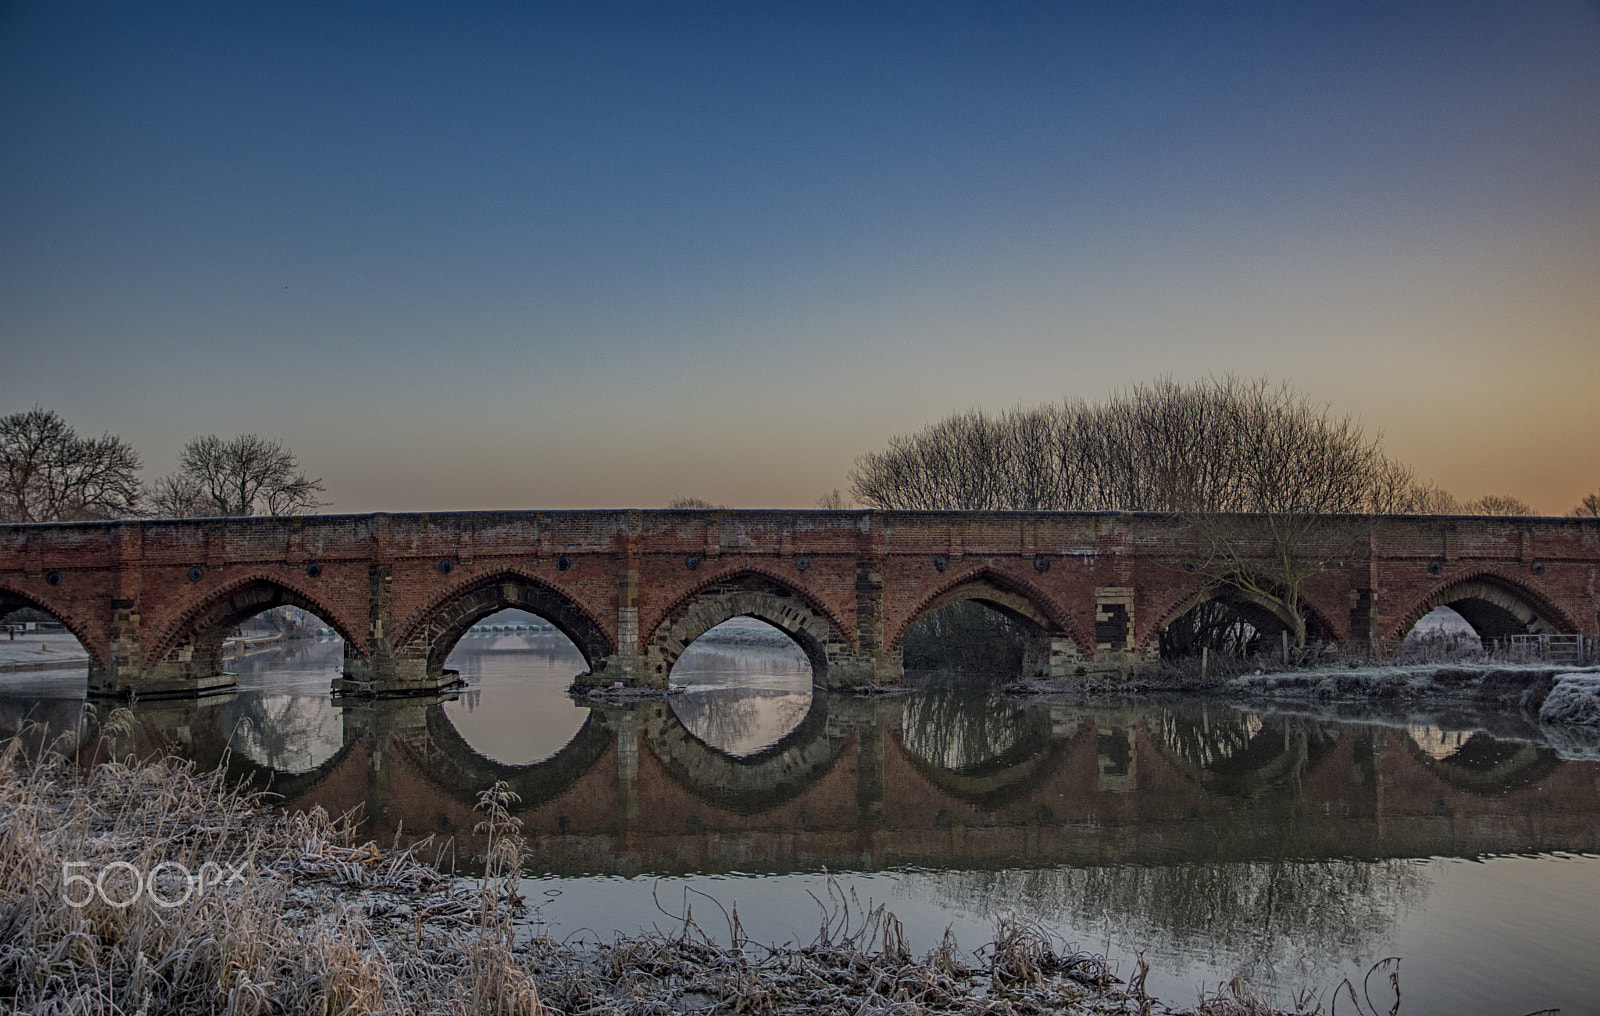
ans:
(106, 906)
(50, 473)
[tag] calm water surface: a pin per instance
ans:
(1296, 849)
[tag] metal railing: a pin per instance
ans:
(1553, 648)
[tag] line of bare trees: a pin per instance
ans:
(1220, 445)
(1214, 446)
(50, 473)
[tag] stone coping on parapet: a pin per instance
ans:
(842, 513)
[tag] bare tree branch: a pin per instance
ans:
(50, 474)
(238, 477)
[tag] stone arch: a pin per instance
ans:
(448, 616)
(747, 592)
(191, 647)
(12, 598)
(1056, 643)
(1261, 612)
(1495, 606)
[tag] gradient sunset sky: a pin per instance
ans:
(595, 255)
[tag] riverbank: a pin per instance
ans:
(1561, 702)
(40, 651)
(149, 887)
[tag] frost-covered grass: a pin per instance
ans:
(1574, 700)
(1519, 684)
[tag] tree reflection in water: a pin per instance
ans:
(1280, 923)
(1204, 741)
(959, 725)
(273, 720)
(745, 685)
(288, 733)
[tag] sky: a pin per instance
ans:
(605, 255)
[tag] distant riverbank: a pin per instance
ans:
(1562, 700)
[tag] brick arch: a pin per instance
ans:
(1493, 603)
(747, 592)
(439, 625)
(12, 598)
(202, 627)
(1317, 623)
(1015, 597)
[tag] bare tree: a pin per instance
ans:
(50, 474)
(178, 496)
(692, 503)
(238, 477)
(833, 501)
(1216, 446)
(1497, 504)
(1589, 507)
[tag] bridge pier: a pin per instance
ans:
(384, 674)
(191, 669)
(382, 671)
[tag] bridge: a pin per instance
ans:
(152, 600)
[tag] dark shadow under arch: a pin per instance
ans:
(1051, 645)
(1264, 614)
(457, 610)
(1495, 605)
(1009, 595)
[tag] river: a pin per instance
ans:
(1294, 848)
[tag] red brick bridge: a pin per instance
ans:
(153, 600)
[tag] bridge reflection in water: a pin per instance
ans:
(941, 779)
(1211, 839)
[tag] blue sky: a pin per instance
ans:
(594, 255)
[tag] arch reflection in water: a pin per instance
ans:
(517, 668)
(745, 684)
